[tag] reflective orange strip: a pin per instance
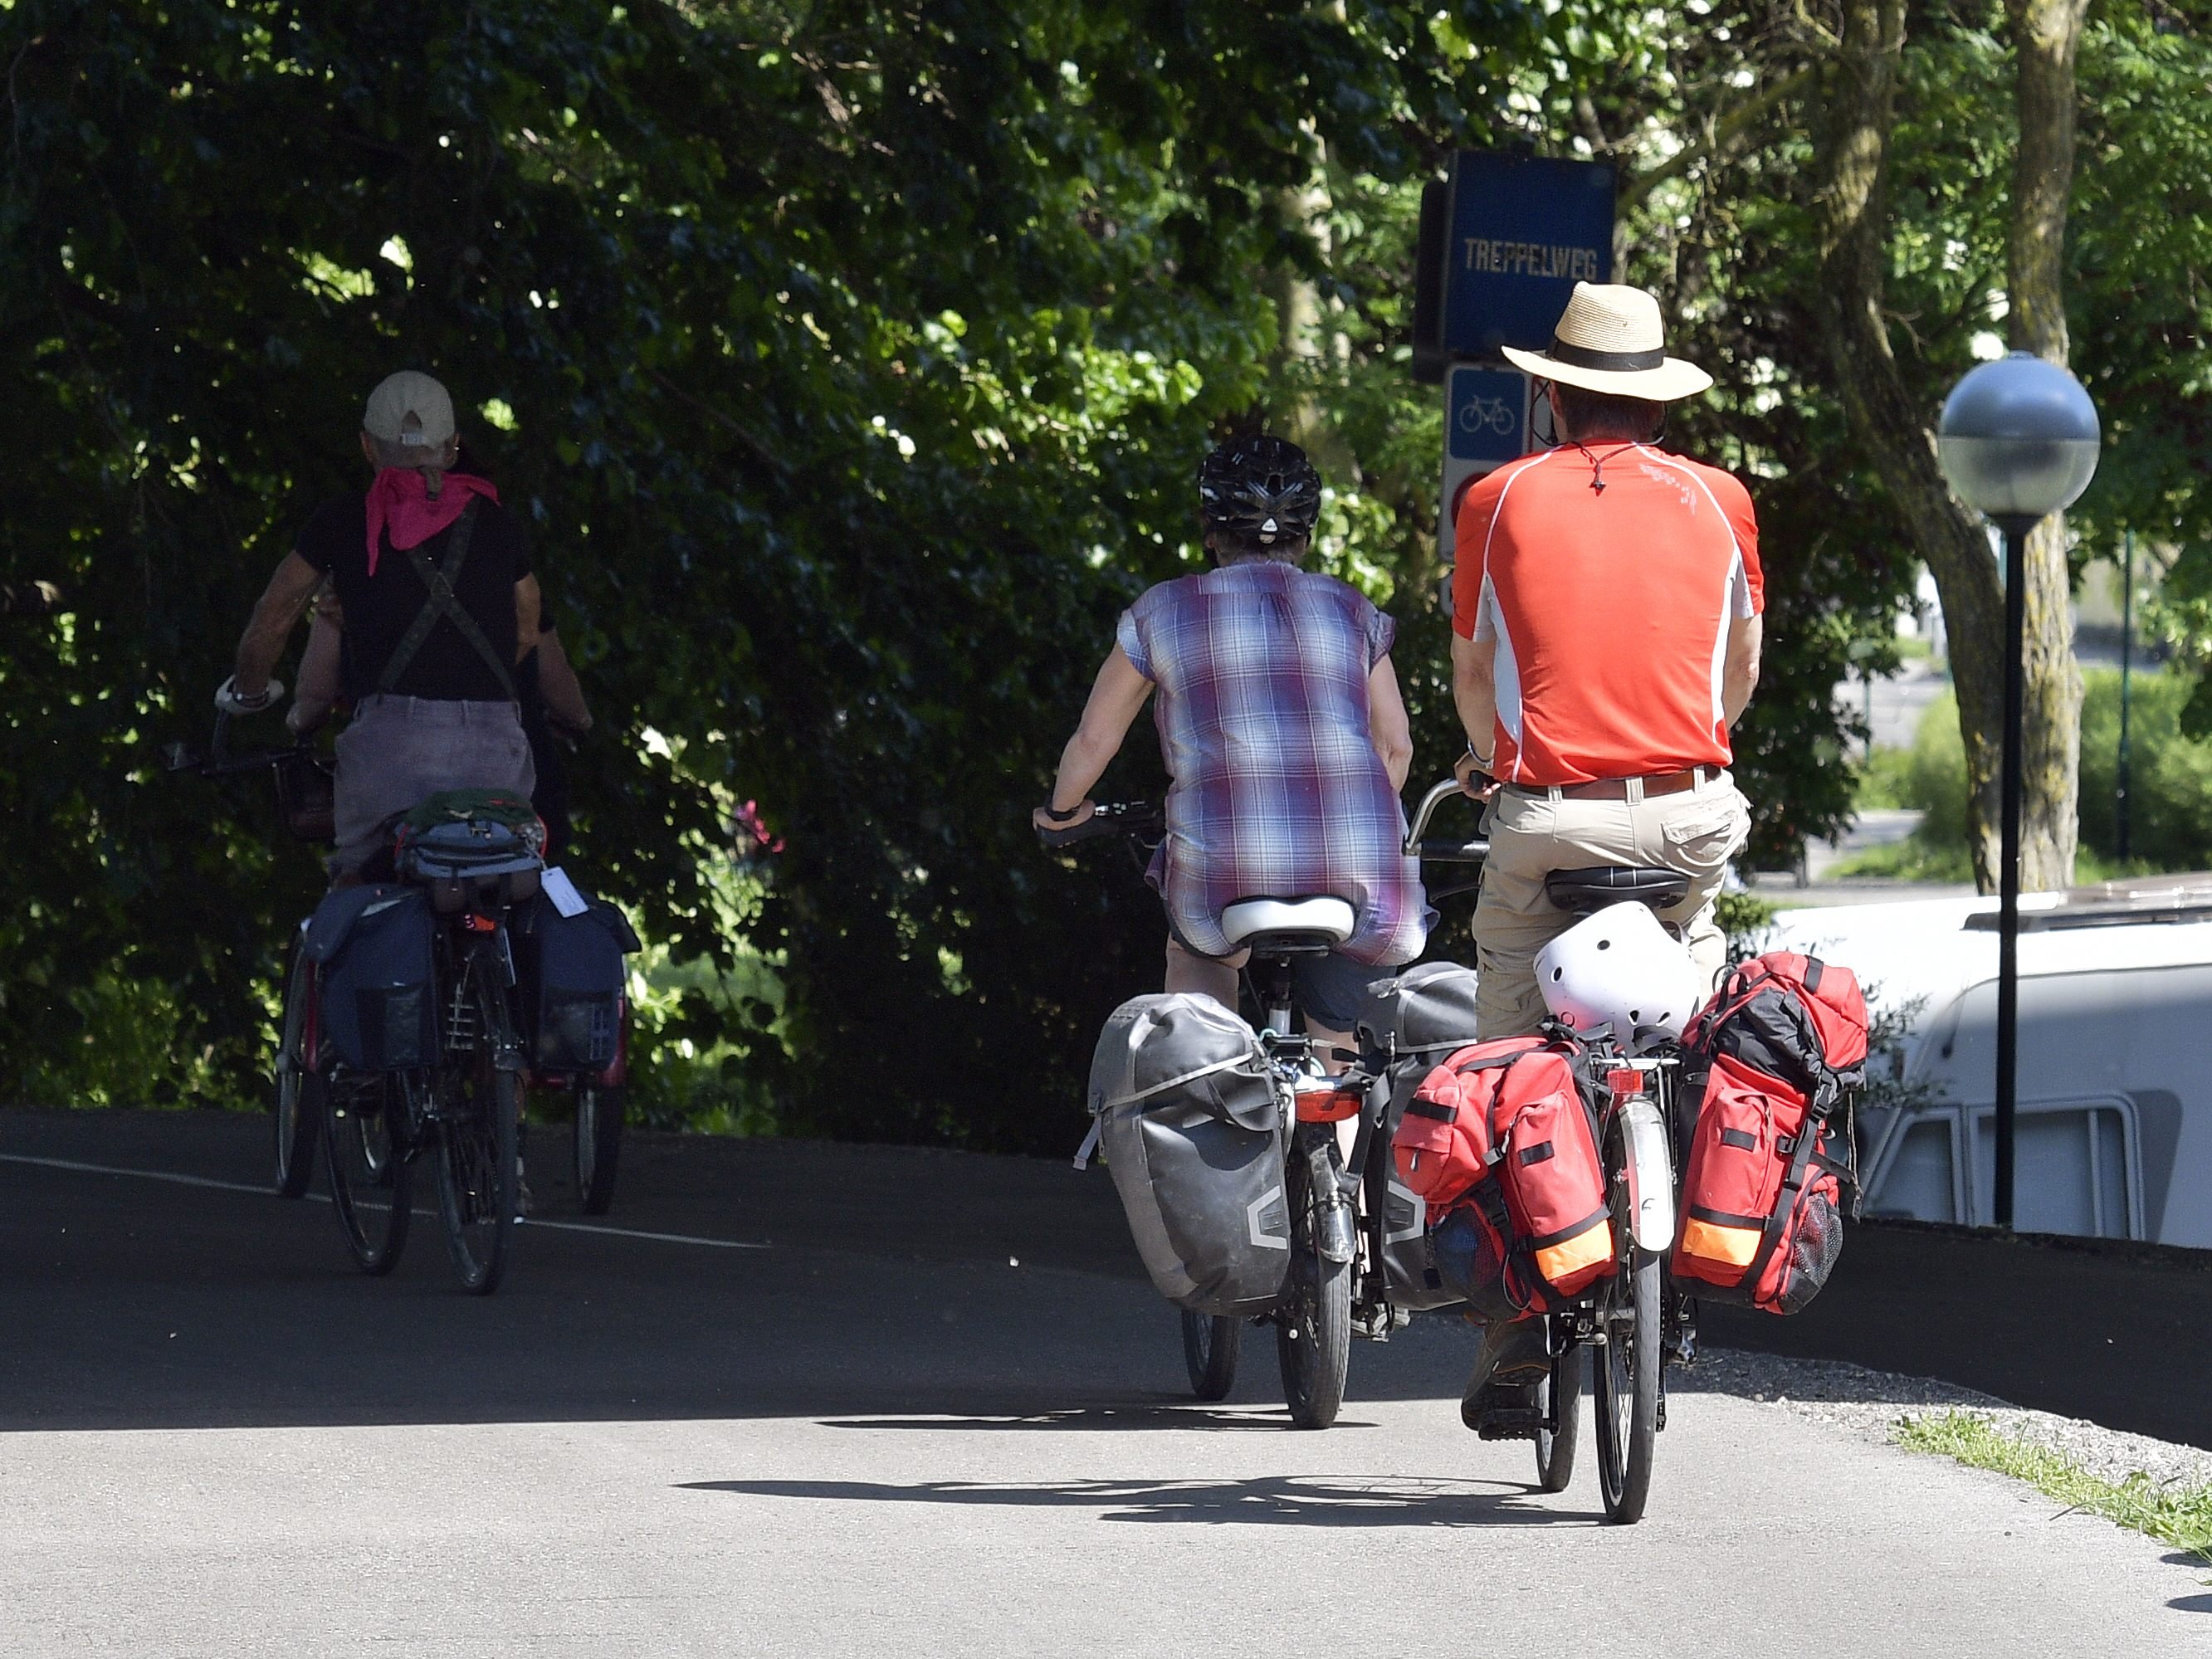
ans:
(1734, 1245)
(1560, 1262)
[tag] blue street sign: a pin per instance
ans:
(1486, 416)
(1523, 232)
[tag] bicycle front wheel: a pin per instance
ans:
(297, 1096)
(365, 1150)
(1561, 1400)
(1627, 1367)
(478, 1116)
(1209, 1353)
(1313, 1329)
(598, 1143)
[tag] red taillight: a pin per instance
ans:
(1626, 1081)
(1330, 1105)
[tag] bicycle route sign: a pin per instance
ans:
(1486, 415)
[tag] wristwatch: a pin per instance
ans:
(1058, 817)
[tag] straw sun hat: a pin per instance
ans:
(1610, 339)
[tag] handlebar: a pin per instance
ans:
(1442, 850)
(219, 761)
(1130, 818)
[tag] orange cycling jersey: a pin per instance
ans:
(1609, 576)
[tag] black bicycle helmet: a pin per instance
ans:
(1263, 489)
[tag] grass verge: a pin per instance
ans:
(2179, 1516)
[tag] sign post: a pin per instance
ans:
(1502, 246)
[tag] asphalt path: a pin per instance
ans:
(808, 1400)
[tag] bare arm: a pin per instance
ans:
(1740, 675)
(1117, 697)
(1474, 694)
(318, 689)
(1387, 724)
(557, 685)
(279, 606)
(526, 602)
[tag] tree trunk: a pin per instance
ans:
(1852, 140)
(2045, 36)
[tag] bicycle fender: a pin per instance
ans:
(1651, 1175)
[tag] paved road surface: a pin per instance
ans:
(223, 1443)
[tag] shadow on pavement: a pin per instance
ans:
(1283, 1500)
(1113, 1420)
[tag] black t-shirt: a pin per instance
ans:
(380, 609)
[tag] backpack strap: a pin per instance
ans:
(1803, 1159)
(442, 606)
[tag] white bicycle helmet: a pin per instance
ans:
(1619, 968)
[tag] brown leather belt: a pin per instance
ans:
(1664, 783)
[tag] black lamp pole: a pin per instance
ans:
(2010, 783)
(2018, 441)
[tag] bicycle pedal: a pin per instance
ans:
(1524, 1425)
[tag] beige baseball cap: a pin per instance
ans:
(410, 411)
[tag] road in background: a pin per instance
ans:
(939, 1413)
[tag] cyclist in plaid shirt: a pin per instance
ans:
(1282, 729)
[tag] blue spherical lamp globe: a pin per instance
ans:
(2019, 439)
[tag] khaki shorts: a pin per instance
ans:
(1696, 830)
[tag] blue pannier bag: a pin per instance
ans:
(371, 951)
(573, 979)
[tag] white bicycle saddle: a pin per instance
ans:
(1331, 917)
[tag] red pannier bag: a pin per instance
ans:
(1504, 1131)
(1772, 1060)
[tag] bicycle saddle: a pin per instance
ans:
(1290, 926)
(1584, 892)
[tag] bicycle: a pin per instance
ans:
(463, 1106)
(1313, 1321)
(1625, 1330)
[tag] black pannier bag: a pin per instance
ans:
(1415, 1019)
(572, 982)
(1192, 1127)
(371, 947)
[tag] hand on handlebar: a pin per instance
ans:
(1477, 784)
(231, 700)
(1045, 824)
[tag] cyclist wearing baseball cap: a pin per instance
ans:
(433, 578)
(1284, 733)
(1605, 638)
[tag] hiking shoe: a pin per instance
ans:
(1500, 1401)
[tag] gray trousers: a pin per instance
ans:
(398, 749)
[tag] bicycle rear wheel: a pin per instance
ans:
(1209, 1353)
(296, 1100)
(1312, 1328)
(1561, 1397)
(365, 1150)
(598, 1143)
(1627, 1394)
(478, 1118)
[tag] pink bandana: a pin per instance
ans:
(398, 500)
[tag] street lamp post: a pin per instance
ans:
(2018, 443)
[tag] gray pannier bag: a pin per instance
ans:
(1415, 1019)
(1190, 1121)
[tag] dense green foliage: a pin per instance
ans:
(2170, 783)
(851, 360)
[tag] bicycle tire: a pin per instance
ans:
(1628, 1368)
(1210, 1346)
(1312, 1328)
(1556, 1449)
(479, 1108)
(365, 1151)
(296, 1102)
(598, 1143)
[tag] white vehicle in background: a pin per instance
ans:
(2115, 1125)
